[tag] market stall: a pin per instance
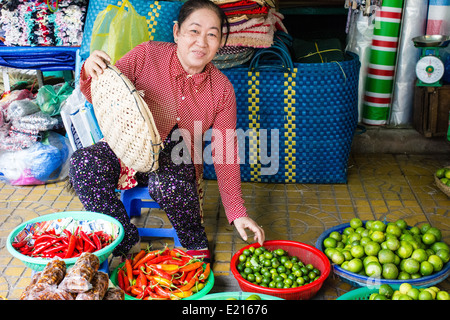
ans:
(298, 107)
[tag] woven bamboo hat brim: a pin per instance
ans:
(125, 121)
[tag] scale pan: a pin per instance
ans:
(434, 40)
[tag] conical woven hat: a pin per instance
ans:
(125, 121)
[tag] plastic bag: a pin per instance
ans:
(117, 30)
(79, 121)
(100, 283)
(79, 277)
(45, 161)
(49, 98)
(20, 108)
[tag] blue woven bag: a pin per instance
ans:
(299, 118)
(160, 17)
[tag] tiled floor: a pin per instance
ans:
(379, 187)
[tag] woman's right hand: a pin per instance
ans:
(96, 63)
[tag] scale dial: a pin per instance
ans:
(430, 69)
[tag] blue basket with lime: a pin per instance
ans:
(375, 252)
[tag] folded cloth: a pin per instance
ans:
(231, 56)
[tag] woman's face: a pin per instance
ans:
(198, 39)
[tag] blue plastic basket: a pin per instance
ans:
(357, 280)
(312, 107)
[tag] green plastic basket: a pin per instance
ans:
(239, 295)
(38, 264)
(363, 293)
(196, 296)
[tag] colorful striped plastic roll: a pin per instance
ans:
(382, 61)
(438, 17)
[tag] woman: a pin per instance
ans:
(186, 93)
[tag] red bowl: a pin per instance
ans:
(306, 253)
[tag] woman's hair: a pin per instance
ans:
(192, 5)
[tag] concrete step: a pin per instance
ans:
(397, 140)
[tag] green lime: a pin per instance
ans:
(411, 266)
(442, 295)
(386, 256)
(424, 228)
(425, 295)
(440, 246)
(372, 248)
(355, 265)
(401, 224)
(390, 271)
(394, 230)
(426, 268)
(357, 251)
(419, 255)
(436, 262)
(437, 233)
(373, 270)
(440, 173)
(253, 297)
(378, 226)
(335, 235)
(356, 223)
(444, 255)
(405, 250)
(386, 290)
(378, 236)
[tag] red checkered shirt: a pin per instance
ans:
(194, 102)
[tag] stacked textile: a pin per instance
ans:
(252, 22)
(36, 23)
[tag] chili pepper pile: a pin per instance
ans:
(167, 274)
(65, 245)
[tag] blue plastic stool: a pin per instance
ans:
(136, 198)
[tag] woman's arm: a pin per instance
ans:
(228, 170)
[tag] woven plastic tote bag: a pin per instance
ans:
(298, 119)
(125, 121)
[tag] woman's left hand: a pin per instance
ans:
(247, 223)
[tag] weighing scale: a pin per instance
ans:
(430, 68)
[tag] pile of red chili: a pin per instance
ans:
(65, 245)
(168, 274)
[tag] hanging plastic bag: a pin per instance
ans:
(49, 98)
(117, 30)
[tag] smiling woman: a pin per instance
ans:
(185, 93)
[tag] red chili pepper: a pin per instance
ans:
(97, 241)
(149, 256)
(205, 273)
(190, 284)
(137, 257)
(160, 291)
(55, 249)
(159, 259)
(120, 279)
(144, 281)
(44, 246)
(180, 253)
(86, 239)
(19, 244)
(129, 270)
(126, 284)
(161, 273)
(192, 266)
(71, 247)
